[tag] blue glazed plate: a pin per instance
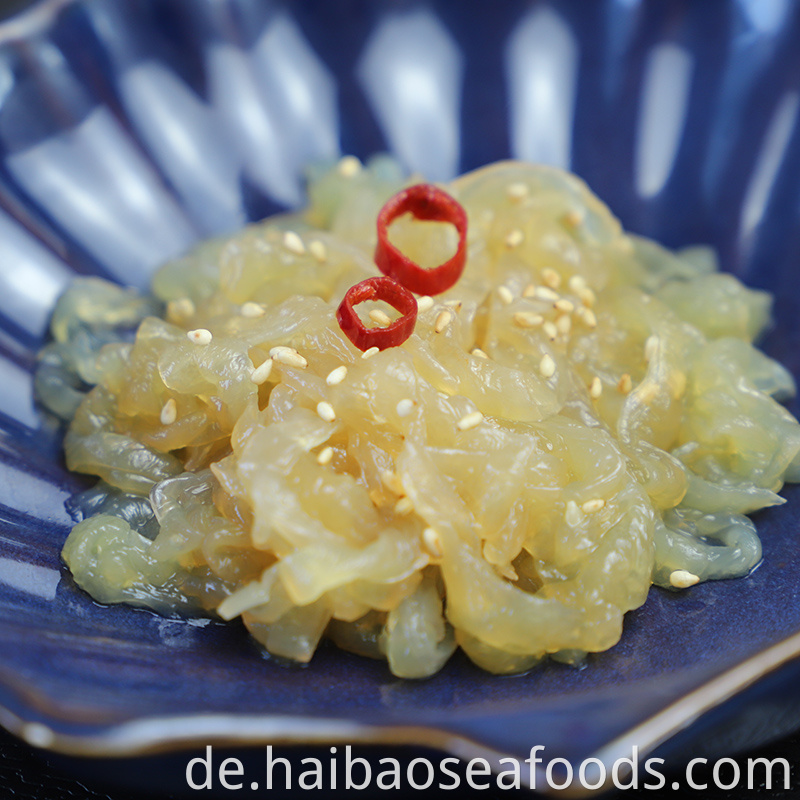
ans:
(128, 131)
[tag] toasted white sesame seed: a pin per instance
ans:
(547, 367)
(291, 241)
(590, 506)
(478, 353)
(325, 456)
(181, 309)
(577, 283)
(405, 407)
(530, 290)
(169, 412)
(424, 303)
(527, 319)
(574, 218)
(403, 506)
(391, 480)
(595, 388)
(252, 310)
(545, 293)
(380, 317)
(514, 238)
(587, 297)
(442, 321)
(433, 542)
(325, 411)
(551, 278)
(469, 421)
(651, 346)
(550, 331)
(572, 514)
(349, 166)
(318, 250)
(564, 324)
(368, 353)
(517, 191)
(336, 376)
(625, 384)
(588, 316)
(564, 306)
(288, 356)
(261, 373)
(505, 294)
(200, 336)
(682, 579)
(454, 304)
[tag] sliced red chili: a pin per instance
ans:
(427, 202)
(391, 292)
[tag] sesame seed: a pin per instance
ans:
(325, 456)
(291, 241)
(336, 376)
(432, 542)
(380, 317)
(261, 373)
(547, 367)
(404, 506)
(424, 303)
(200, 336)
(288, 356)
(565, 306)
(588, 316)
(572, 514)
(577, 283)
(505, 294)
(517, 191)
(590, 506)
(551, 278)
(442, 321)
(405, 407)
(682, 579)
(564, 324)
(550, 331)
(469, 421)
(545, 293)
(595, 388)
(325, 411)
(252, 310)
(625, 384)
(527, 319)
(514, 238)
(370, 352)
(169, 412)
(181, 309)
(574, 218)
(454, 304)
(530, 291)
(349, 166)
(478, 353)
(587, 297)
(391, 480)
(318, 250)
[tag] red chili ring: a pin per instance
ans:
(423, 201)
(391, 292)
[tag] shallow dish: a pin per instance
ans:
(127, 132)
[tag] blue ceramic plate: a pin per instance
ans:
(129, 131)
